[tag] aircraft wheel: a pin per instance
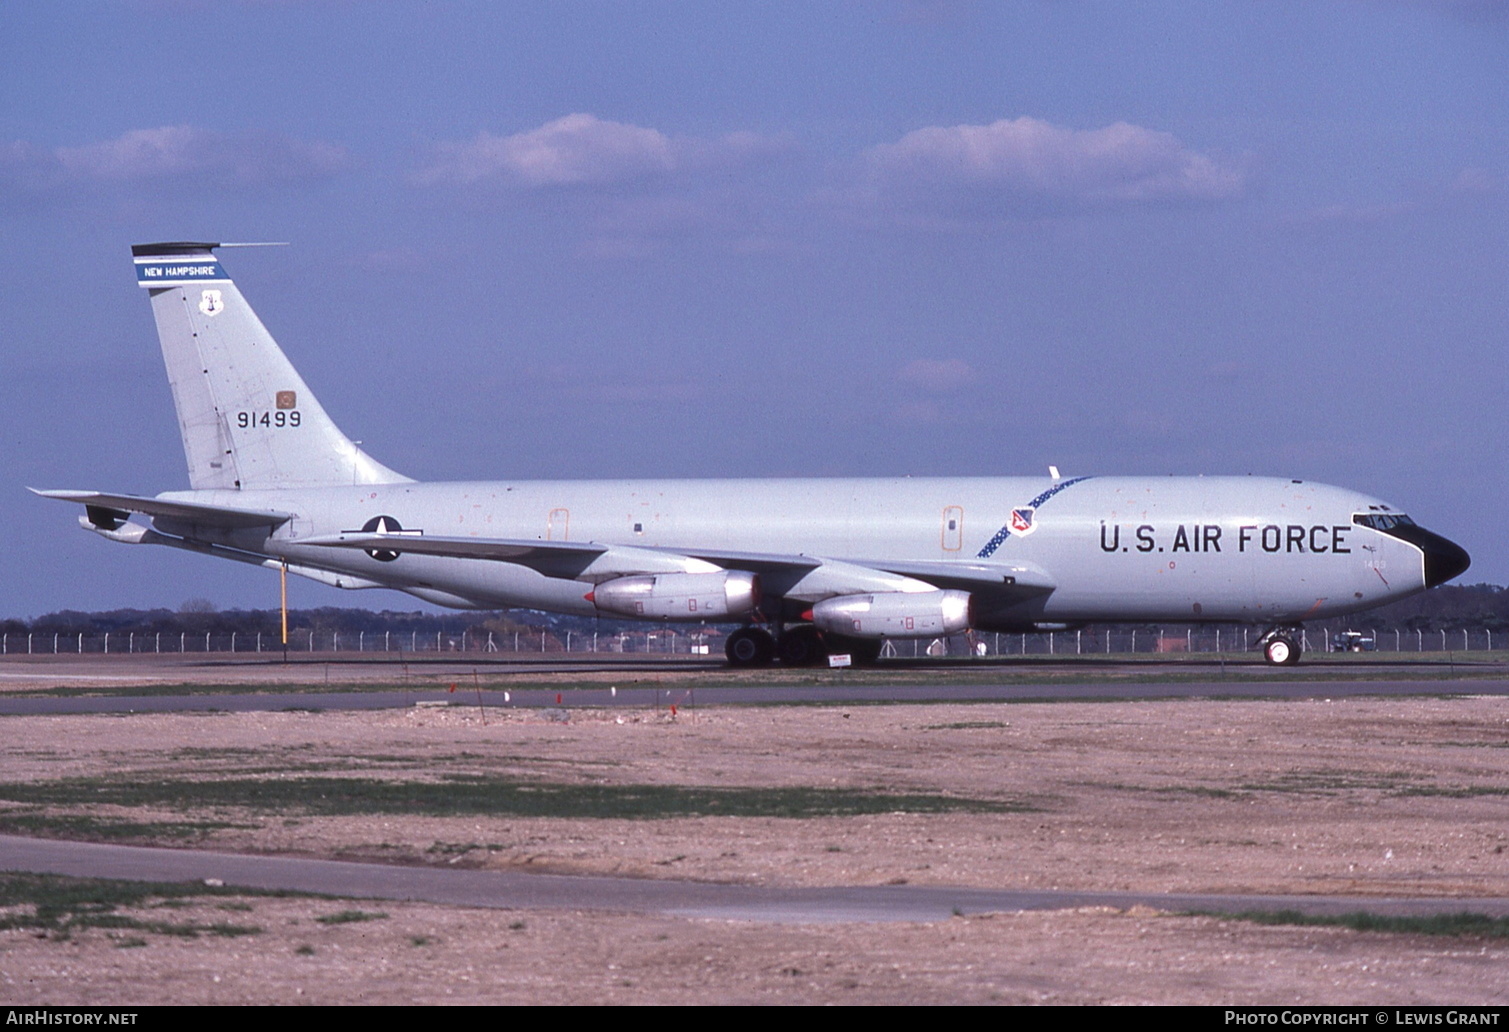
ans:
(1281, 651)
(750, 647)
(802, 646)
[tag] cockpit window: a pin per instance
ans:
(1382, 520)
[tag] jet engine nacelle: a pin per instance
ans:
(727, 594)
(895, 614)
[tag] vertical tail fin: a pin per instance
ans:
(248, 420)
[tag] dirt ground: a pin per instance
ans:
(426, 954)
(1363, 797)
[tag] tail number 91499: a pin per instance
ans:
(248, 420)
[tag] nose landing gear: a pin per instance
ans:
(1281, 645)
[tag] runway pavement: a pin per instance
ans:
(745, 695)
(515, 891)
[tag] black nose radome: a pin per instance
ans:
(1443, 559)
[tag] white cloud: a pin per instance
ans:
(1493, 11)
(1026, 166)
(182, 150)
(1474, 181)
(1472, 186)
(584, 150)
(917, 413)
(630, 190)
(576, 149)
(1358, 213)
(170, 152)
(937, 376)
(25, 167)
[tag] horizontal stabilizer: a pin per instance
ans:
(193, 512)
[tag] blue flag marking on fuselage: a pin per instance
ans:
(1005, 532)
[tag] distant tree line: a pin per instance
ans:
(1450, 607)
(199, 617)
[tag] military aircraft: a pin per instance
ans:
(808, 567)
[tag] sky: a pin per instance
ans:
(852, 238)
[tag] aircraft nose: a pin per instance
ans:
(1443, 559)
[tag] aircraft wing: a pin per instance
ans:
(1003, 582)
(551, 557)
(523, 552)
(1002, 578)
(119, 506)
(757, 562)
(567, 559)
(997, 578)
(572, 559)
(536, 554)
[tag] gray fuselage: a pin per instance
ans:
(1249, 549)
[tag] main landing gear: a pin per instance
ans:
(802, 645)
(1281, 645)
(798, 645)
(750, 647)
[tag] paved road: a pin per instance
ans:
(646, 698)
(515, 891)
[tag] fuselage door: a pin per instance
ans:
(558, 525)
(953, 528)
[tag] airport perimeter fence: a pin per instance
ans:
(153, 642)
(1092, 641)
(1089, 641)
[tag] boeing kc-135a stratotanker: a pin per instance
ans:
(808, 567)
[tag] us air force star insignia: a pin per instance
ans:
(1022, 522)
(210, 303)
(382, 525)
